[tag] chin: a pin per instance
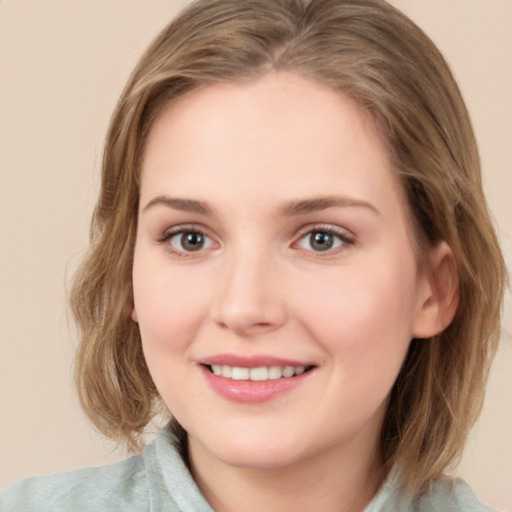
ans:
(261, 458)
(257, 451)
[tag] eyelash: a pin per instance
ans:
(344, 239)
(182, 230)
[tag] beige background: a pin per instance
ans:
(62, 65)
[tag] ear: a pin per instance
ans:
(134, 316)
(439, 293)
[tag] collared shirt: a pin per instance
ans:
(158, 481)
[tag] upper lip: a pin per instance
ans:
(250, 361)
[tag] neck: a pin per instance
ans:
(341, 480)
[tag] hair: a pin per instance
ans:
(372, 53)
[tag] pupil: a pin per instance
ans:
(192, 241)
(321, 241)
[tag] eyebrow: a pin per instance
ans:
(185, 205)
(289, 209)
(316, 204)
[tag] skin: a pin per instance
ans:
(241, 155)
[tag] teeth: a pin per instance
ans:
(275, 372)
(288, 371)
(256, 374)
(240, 373)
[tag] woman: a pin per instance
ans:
(292, 252)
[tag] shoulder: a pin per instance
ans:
(451, 495)
(119, 486)
(446, 495)
(158, 479)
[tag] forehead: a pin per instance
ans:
(281, 134)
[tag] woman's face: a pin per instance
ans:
(274, 249)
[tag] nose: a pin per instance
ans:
(249, 298)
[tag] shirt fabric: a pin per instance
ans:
(158, 481)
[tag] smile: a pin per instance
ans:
(254, 379)
(262, 373)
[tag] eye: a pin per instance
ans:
(323, 240)
(188, 241)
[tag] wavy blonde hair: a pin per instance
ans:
(373, 53)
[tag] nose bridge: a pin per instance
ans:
(249, 297)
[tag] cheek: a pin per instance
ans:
(170, 311)
(169, 308)
(363, 317)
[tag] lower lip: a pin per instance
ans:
(252, 392)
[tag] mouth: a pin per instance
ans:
(254, 379)
(257, 374)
